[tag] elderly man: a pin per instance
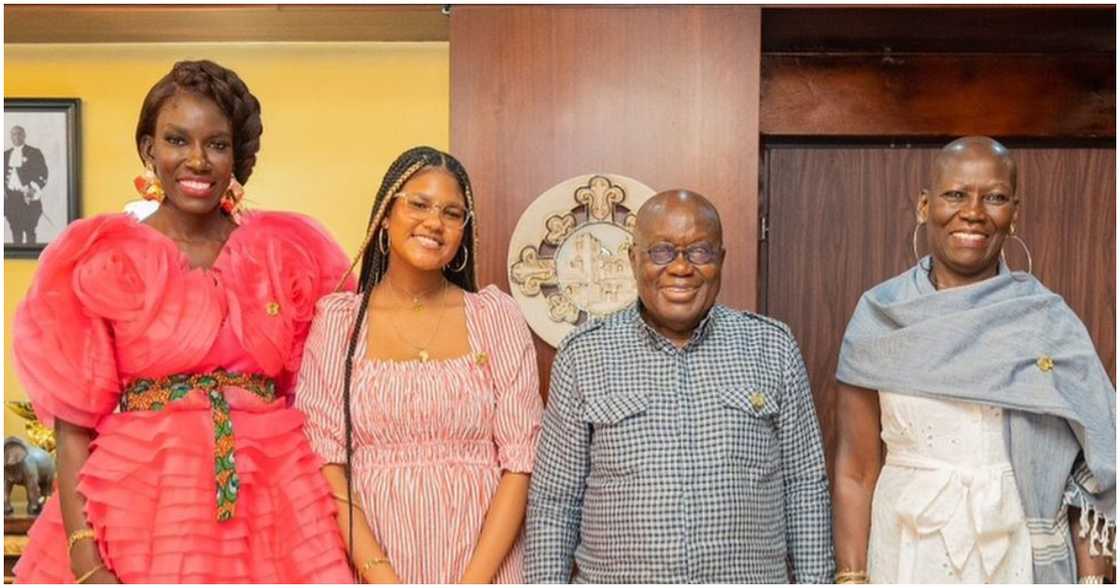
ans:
(25, 176)
(680, 442)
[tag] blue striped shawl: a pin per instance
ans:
(983, 343)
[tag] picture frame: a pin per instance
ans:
(42, 181)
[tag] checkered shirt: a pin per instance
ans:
(658, 464)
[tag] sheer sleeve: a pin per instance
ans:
(284, 265)
(64, 353)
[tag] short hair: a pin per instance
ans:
(223, 86)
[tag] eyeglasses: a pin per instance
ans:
(418, 207)
(698, 254)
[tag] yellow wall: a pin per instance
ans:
(335, 115)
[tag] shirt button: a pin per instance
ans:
(272, 308)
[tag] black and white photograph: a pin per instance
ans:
(41, 162)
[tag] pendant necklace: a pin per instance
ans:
(421, 350)
(417, 303)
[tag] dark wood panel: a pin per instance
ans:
(216, 23)
(841, 221)
(941, 29)
(939, 95)
(667, 95)
(1069, 222)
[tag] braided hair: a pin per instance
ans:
(225, 88)
(375, 263)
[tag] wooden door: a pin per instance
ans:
(840, 220)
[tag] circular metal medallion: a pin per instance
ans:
(568, 257)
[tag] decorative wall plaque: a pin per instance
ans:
(568, 257)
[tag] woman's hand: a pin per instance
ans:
(381, 574)
(858, 462)
(84, 556)
(103, 576)
(469, 578)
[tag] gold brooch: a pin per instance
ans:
(481, 358)
(1045, 363)
(272, 308)
(758, 400)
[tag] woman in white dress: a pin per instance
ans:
(982, 480)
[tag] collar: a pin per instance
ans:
(659, 341)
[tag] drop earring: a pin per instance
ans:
(148, 185)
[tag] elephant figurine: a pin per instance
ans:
(28, 466)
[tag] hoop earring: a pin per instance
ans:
(1026, 250)
(914, 243)
(383, 244)
(462, 266)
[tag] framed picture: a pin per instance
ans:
(42, 159)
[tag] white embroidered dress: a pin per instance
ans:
(946, 508)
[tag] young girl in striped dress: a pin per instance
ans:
(425, 390)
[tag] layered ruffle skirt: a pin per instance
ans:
(151, 499)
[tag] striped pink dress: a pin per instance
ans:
(430, 439)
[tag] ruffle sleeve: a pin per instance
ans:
(281, 267)
(513, 367)
(319, 386)
(63, 348)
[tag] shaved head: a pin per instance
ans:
(975, 147)
(969, 209)
(678, 201)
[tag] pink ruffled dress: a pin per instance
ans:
(115, 306)
(430, 439)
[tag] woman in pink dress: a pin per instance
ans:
(163, 353)
(425, 390)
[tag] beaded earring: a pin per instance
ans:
(231, 200)
(148, 185)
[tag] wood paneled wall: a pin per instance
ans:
(841, 221)
(1060, 95)
(269, 23)
(667, 95)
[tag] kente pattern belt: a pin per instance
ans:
(156, 394)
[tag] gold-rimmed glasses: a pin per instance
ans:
(420, 206)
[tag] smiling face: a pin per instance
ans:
(969, 210)
(423, 232)
(676, 296)
(192, 152)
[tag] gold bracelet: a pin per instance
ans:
(851, 577)
(342, 498)
(77, 536)
(1091, 580)
(87, 575)
(373, 562)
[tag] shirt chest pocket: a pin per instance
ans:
(620, 436)
(750, 436)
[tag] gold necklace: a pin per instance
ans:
(417, 305)
(421, 350)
